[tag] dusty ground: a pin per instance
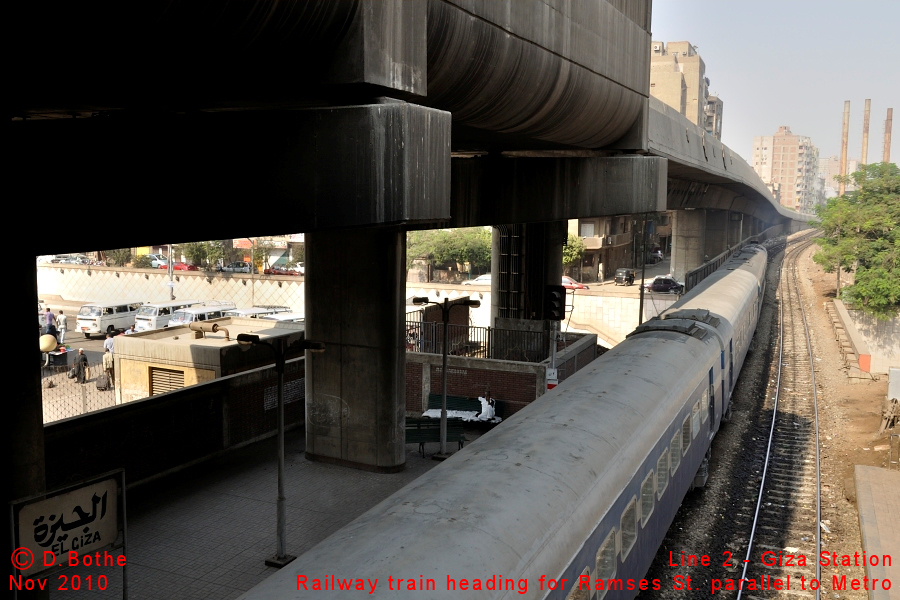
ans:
(849, 418)
(710, 520)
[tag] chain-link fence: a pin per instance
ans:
(64, 397)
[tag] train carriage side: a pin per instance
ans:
(585, 479)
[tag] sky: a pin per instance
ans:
(795, 63)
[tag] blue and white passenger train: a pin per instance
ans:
(584, 481)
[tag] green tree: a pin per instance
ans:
(142, 262)
(470, 245)
(194, 251)
(118, 258)
(573, 251)
(862, 233)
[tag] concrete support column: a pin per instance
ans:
(688, 241)
(355, 390)
(735, 229)
(524, 259)
(23, 417)
(717, 237)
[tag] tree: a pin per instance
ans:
(470, 245)
(142, 262)
(194, 251)
(118, 258)
(862, 233)
(573, 251)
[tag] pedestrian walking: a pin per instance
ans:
(62, 323)
(81, 367)
(49, 323)
(108, 365)
(108, 342)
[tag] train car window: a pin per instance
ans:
(675, 452)
(695, 419)
(578, 591)
(662, 473)
(628, 524)
(647, 498)
(704, 401)
(606, 561)
(685, 435)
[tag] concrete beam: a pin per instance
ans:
(492, 190)
(302, 170)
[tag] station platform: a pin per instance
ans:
(206, 531)
(878, 502)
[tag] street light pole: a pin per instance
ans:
(281, 557)
(445, 315)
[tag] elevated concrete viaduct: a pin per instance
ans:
(348, 120)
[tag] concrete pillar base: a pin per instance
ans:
(356, 389)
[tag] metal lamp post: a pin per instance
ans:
(445, 313)
(281, 557)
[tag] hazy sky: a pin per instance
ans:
(794, 62)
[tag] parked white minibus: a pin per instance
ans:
(255, 312)
(156, 315)
(200, 312)
(290, 317)
(106, 317)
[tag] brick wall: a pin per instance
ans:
(516, 384)
(413, 387)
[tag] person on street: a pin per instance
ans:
(49, 322)
(108, 365)
(130, 330)
(81, 367)
(62, 322)
(108, 342)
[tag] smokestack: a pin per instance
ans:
(887, 136)
(865, 148)
(843, 187)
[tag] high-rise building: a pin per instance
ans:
(793, 162)
(678, 78)
(830, 167)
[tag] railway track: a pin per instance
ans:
(781, 558)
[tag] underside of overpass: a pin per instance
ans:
(352, 121)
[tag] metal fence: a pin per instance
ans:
(63, 397)
(478, 342)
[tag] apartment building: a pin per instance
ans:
(793, 162)
(678, 78)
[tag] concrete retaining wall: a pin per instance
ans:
(881, 340)
(81, 283)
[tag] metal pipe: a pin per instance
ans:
(446, 318)
(842, 187)
(886, 158)
(865, 142)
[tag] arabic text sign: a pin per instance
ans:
(82, 520)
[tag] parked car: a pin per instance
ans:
(239, 266)
(480, 280)
(624, 276)
(280, 271)
(158, 259)
(571, 284)
(657, 256)
(180, 266)
(665, 283)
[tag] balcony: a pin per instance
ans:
(598, 242)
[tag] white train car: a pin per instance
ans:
(584, 481)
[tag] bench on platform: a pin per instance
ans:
(422, 431)
(460, 403)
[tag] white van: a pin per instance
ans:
(255, 312)
(156, 315)
(290, 317)
(200, 312)
(106, 317)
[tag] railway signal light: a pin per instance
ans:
(554, 302)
